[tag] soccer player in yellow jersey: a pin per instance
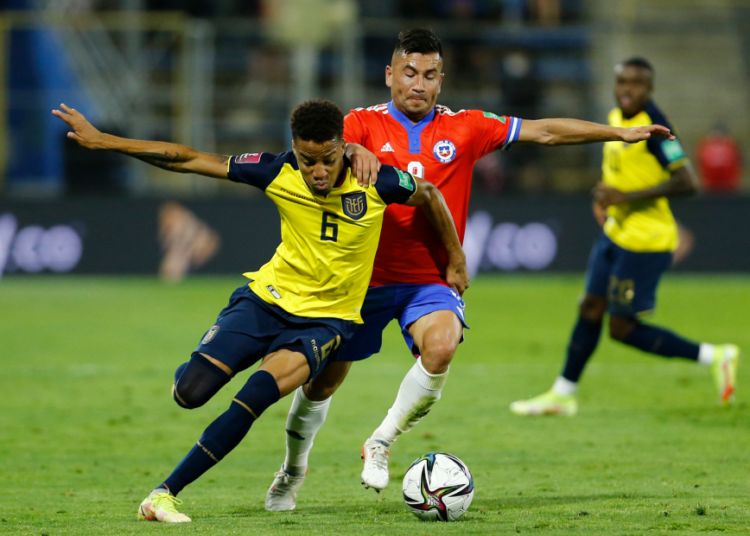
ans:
(634, 250)
(300, 307)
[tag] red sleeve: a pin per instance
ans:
(353, 131)
(495, 131)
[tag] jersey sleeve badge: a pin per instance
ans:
(248, 158)
(490, 115)
(672, 150)
(405, 180)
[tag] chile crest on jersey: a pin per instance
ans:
(444, 151)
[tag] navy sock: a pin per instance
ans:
(582, 344)
(226, 432)
(662, 342)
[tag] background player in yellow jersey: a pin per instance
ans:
(634, 250)
(302, 305)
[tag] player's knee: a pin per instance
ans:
(318, 391)
(620, 327)
(592, 308)
(437, 355)
(197, 381)
(323, 386)
(178, 399)
(190, 398)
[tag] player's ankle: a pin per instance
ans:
(706, 353)
(295, 470)
(386, 433)
(564, 387)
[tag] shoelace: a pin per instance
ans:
(379, 456)
(286, 478)
(166, 502)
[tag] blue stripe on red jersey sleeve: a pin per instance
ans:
(513, 132)
(257, 169)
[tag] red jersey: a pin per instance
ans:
(442, 148)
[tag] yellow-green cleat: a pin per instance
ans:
(724, 370)
(161, 507)
(549, 403)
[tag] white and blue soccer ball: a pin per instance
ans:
(438, 487)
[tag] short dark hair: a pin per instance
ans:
(638, 61)
(419, 40)
(318, 121)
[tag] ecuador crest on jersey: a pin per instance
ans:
(355, 205)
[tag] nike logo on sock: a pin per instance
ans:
(295, 435)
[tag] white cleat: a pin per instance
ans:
(375, 473)
(282, 495)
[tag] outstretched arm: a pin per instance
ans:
(682, 182)
(436, 209)
(169, 156)
(576, 132)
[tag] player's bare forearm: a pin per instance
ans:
(433, 204)
(577, 132)
(169, 156)
(682, 183)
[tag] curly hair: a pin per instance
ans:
(318, 121)
(419, 40)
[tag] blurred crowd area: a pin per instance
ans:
(543, 11)
(223, 76)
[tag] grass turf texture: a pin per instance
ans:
(88, 426)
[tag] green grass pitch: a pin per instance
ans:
(88, 428)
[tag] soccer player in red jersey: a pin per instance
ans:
(409, 281)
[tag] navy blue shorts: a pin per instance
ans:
(248, 329)
(628, 279)
(407, 304)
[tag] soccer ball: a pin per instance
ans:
(438, 487)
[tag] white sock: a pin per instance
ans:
(706, 354)
(564, 387)
(418, 393)
(302, 424)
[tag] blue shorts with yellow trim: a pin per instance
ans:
(628, 279)
(248, 329)
(405, 303)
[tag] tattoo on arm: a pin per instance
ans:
(165, 160)
(222, 158)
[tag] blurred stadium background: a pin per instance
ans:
(88, 360)
(222, 76)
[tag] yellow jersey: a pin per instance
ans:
(323, 265)
(641, 226)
